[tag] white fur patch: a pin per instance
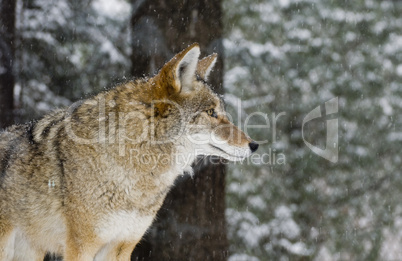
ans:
(9, 246)
(210, 144)
(53, 234)
(186, 68)
(124, 225)
(18, 247)
(209, 69)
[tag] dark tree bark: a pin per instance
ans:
(191, 223)
(7, 35)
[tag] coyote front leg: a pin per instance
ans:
(123, 251)
(116, 251)
(81, 245)
(6, 234)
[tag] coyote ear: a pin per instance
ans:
(179, 72)
(205, 66)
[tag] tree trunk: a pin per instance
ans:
(191, 223)
(7, 35)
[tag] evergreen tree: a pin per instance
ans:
(67, 49)
(295, 56)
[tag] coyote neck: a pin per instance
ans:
(140, 179)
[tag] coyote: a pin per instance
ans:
(86, 182)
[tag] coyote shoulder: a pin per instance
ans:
(86, 182)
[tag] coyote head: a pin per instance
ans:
(188, 110)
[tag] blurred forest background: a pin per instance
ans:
(281, 57)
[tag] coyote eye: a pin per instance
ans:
(212, 113)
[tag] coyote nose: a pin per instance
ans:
(253, 146)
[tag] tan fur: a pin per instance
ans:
(86, 182)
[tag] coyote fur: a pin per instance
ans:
(86, 182)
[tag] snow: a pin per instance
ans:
(257, 202)
(232, 76)
(257, 50)
(297, 248)
(399, 70)
(41, 98)
(253, 233)
(394, 44)
(109, 48)
(391, 247)
(280, 230)
(284, 3)
(379, 27)
(242, 257)
(386, 107)
(302, 34)
(116, 9)
(394, 136)
(44, 36)
(341, 15)
(284, 224)
(324, 254)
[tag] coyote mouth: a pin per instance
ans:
(231, 156)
